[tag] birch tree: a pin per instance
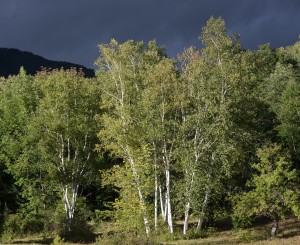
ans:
(139, 84)
(121, 72)
(64, 128)
(208, 82)
(161, 119)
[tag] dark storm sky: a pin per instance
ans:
(70, 30)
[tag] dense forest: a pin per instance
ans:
(152, 145)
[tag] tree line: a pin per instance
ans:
(151, 140)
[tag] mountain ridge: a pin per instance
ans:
(12, 59)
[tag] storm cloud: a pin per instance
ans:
(70, 30)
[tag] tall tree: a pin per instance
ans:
(121, 71)
(285, 81)
(18, 102)
(65, 131)
(209, 78)
(139, 98)
(161, 118)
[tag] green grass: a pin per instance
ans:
(289, 234)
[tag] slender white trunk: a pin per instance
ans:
(162, 209)
(200, 222)
(188, 204)
(155, 202)
(155, 189)
(190, 184)
(274, 229)
(169, 211)
(203, 211)
(70, 203)
(142, 202)
(186, 218)
(140, 193)
(166, 206)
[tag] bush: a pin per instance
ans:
(119, 238)
(194, 234)
(250, 235)
(20, 224)
(81, 231)
(51, 222)
(58, 240)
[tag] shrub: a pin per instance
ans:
(119, 238)
(58, 240)
(194, 234)
(20, 224)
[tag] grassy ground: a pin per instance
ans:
(289, 234)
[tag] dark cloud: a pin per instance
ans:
(71, 30)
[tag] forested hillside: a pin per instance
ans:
(12, 59)
(153, 146)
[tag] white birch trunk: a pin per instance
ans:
(169, 210)
(155, 202)
(162, 209)
(140, 193)
(188, 204)
(70, 203)
(202, 215)
(166, 206)
(190, 186)
(155, 189)
(186, 218)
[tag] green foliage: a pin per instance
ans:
(132, 77)
(250, 235)
(58, 240)
(271, 189)
(194, 234)
(180, 142)
(281, 93)
(22, 224)
(46, 121)
(126, 239)
(289, 117)
(276, 84)
(128, 212)
(207, 145)
(18, 100)
(63, 130)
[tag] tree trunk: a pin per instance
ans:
(70, 204)
(189, 190)
(155, 189)
(274, 229)
(169, 211)
(202, 215)
(200, 222)
(166, 207)
(140, 193)
(155, 202)
(186, 218)
(162, 209)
